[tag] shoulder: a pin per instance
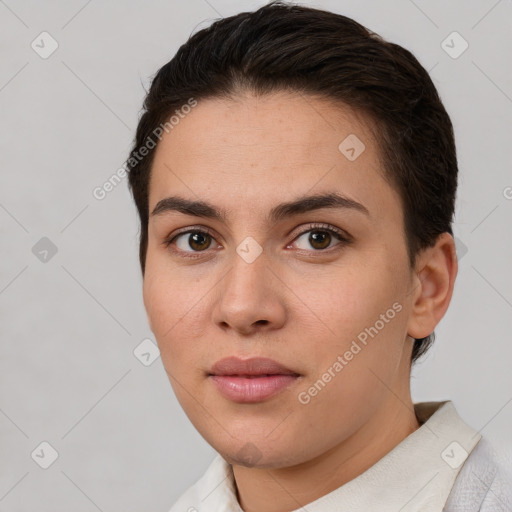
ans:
(484, 483)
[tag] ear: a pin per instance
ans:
(432, 287)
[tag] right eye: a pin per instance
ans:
(190, 241)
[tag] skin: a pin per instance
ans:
(296, 303)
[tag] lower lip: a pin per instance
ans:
(254, 389)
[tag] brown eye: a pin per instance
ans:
(199, 241)
(193, 241)
(319, 239)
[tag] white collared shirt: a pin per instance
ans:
(436, 465)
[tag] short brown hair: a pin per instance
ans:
(289, 47)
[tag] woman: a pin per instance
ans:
(295, 177)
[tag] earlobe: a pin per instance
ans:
(436, 270)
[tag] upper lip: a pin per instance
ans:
(253, 366)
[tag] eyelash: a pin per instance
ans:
(343, 239)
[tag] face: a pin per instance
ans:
(322, 287)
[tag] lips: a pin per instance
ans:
(256, 366)
(251, 380)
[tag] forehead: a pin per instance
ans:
(250, 152)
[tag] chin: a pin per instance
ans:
(260, 453)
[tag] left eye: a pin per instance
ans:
(319, 239)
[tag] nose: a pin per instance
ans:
(250, 297)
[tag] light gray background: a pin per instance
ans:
(69, 326)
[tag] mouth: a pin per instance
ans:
(251, 380)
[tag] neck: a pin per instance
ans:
(290, 488)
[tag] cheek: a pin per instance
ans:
(353, 361)
(363, 306)
(348, 299)
(175, 305)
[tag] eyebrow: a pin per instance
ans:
(281, 211)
